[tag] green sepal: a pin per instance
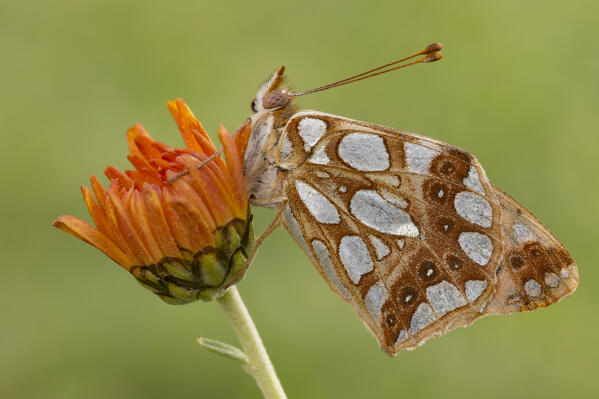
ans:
(204, 275)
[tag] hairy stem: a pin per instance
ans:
(259, 365)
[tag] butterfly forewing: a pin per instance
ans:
(407, 229)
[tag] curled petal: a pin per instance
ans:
(191, 129)
(92, 236)
(116, 175)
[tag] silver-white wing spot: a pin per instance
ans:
(363, 151)
(551, 279)
(374, 211)
(327, 266)
(381, 249)
(320, 207)
(355, 258)
(319, 157)
(532, 288)
(418, 157)
(522, 234)
(286, 148)
(477, 246)
(473, 208)
(394, 199)
(473, 182)
(311, 130)
(422, 317)
(474, 288)
(294, 228)
(402, 336)
(444, 297)
(374, 300)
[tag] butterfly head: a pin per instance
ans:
(271, 96)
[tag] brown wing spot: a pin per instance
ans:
(391, 323)
(407, 295)
(390, 320)
(516, 261)
(438, 192)
(534, 249)
(428, 270)
(447, 168)
(450, 168)
(445, 225)
(453, 262)
(466, 157)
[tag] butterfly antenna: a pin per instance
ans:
(430, 53)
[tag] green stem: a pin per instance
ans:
(259, 365)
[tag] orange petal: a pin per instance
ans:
(222, 180)
(215, 201)
(235, 168)
(180, 113)
(175, 225)
(205, 143)
(87, 233)
(114, 174)
(120, 241)
(139, 219)
(185, 191)
(145, 168)
(242, 136)
(191, 223)
(99, 192)
(131, 134)
(145, 147)
(125, 226)
(158, 223)
(204, 185)
(98, 216)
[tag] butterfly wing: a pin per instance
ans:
(407, 229)
(536, 270)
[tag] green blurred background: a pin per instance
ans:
(518, 87)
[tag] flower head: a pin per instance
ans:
(180, 221)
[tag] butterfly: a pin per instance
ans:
(405, 228)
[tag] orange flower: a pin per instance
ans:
(180, 221)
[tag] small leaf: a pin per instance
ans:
(223, 349)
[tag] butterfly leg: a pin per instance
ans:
(269, 202)
(272, 226)
(200, 166)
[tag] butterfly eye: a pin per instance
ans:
(254, 105)
(275, 99)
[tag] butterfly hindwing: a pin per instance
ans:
(536, 270)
